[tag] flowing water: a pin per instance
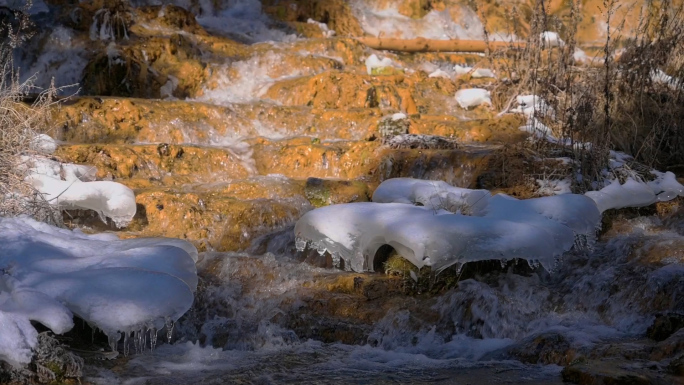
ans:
(266, 135)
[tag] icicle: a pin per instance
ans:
(136, 342)
(169, 329)
(126, 348)
(113, 340)
(300, 244)
(143, 340)
(153, 338)
(320, 247)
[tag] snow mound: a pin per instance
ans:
(51, 274)
(72, 186)
(109, 199)
(477, 227)
(636, 193)
(473, 97)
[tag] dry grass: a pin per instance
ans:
(19, 125)
(614, 103)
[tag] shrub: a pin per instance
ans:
(20, 122)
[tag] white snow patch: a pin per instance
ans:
(43, 144)
(473, 97)
(551, 39)
(476, 73)
(327, 32)
(529, 105)
(499, 227)
(373, 62)
(438, 73)
(117, 286)
(635, 193)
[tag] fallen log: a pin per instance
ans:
(429, 45)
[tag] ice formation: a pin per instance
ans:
(477, 226)
(374, 63)
(473, 97)
(51, 274)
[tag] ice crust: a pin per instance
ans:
(51, 274)
(477, 226)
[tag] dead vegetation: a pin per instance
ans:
(627, 97)
(19, 125)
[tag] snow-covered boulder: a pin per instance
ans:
(118, 286)
(72, 186)
(478, 227)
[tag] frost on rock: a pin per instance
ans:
(473, 97)
(452, 227)
(51, 274)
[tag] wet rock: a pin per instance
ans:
(141, 67)
(391, 126)
(676, 366)
(609, 372)
(170, 17)
(343, 89)
(668, 348)
(121, 120)
(547, 348)
(420, 142)
(322, 192)
(665, 325)
(215, 221)
(337, 14)
(151, 164)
